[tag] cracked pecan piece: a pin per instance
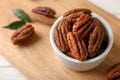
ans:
(83, 10)
(23, 34)
(114, 72)
(46, 11)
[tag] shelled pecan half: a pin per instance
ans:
(103, 29)
(96, 39)
(84, 18)
(77, 47)
(23, 34)
(63, 28)
(73, 45)
(114, 72)
(82, 49)
(82, 10)
(46, 11)
(94, 42)
(59, 40)
(84, 30)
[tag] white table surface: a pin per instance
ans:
(111, 6)
(8, 72)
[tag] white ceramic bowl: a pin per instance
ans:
(87, 64)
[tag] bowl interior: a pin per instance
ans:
(106, 51)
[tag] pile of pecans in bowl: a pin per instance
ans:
(80, 35)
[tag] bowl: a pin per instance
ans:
(87, 64)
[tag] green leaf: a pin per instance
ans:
(15, 25)
(22, 15)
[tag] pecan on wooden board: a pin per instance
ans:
(23, 34)
(113, 73)
(46, 11)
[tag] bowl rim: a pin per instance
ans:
(104, 54)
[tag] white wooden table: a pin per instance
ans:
(9, 72)
(111, 6)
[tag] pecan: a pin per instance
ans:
(85, 11)
(72, 18)
(96, 42)
(68, 20)
(77, 47)
(84, 30)
(82, 49)
(70, 54)
(46, 11)
(92, 41)
(60, 41)
(23, 34)
(73, 45)
(114, 72)
(81, 21)
(104, 38)
(102, 28)
(91, 26)
(96, 39)
(64, 27)
(102, 48)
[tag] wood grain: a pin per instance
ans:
(36, 59)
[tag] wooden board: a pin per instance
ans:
(36, 59)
